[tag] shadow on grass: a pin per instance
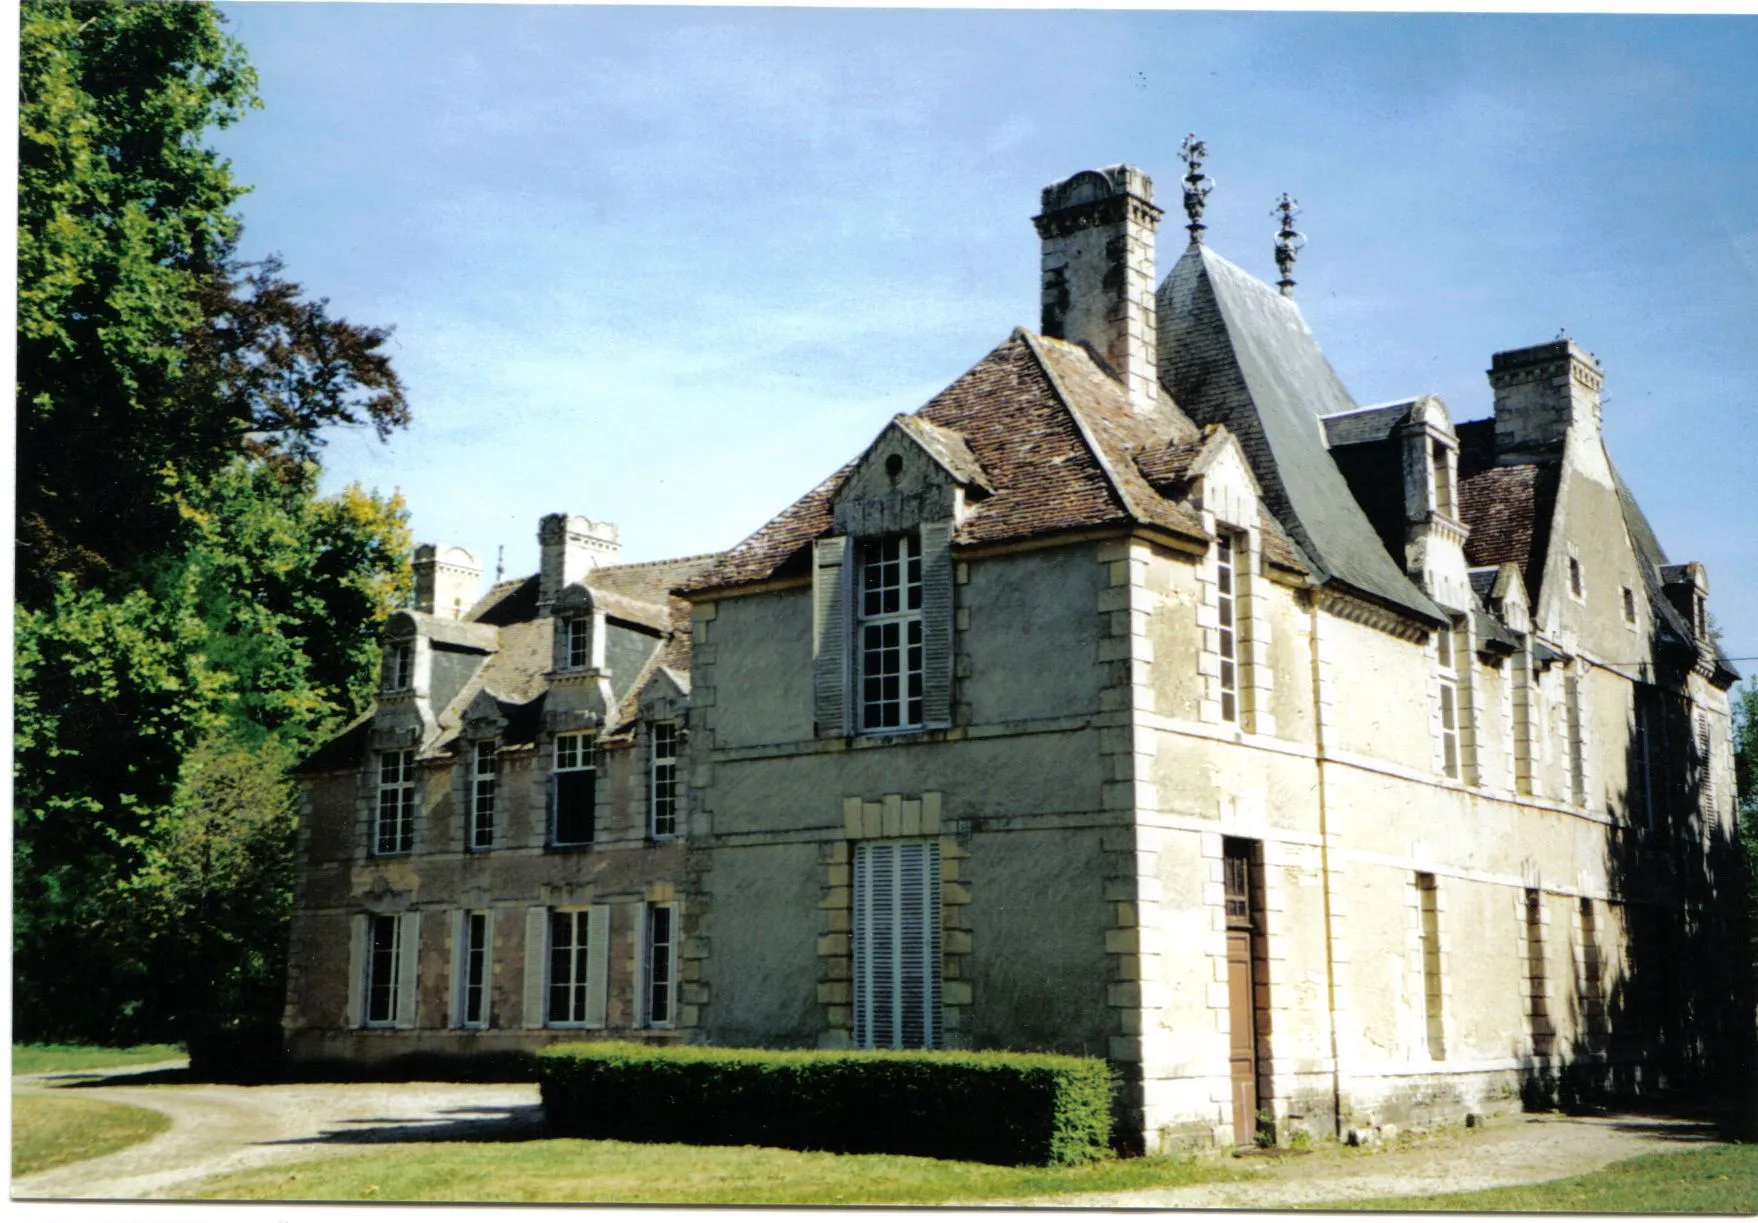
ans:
(491, 1123)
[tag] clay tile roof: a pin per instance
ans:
(1047, 431)
(1508, 508)
(948, 448)
(1167, 467)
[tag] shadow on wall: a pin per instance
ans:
(1670, 1028)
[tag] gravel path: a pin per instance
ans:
(1510, 1150)
(217, 1129)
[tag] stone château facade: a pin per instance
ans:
(1141, 696)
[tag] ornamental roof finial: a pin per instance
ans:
(1288, 241)
(1197, 185)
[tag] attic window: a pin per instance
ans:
(577, 642)
(1443, 479)
(1629, 607)
(894, 465)
(1575, 590)
(399, 666)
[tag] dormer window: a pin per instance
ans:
(577, 643)
(889, 635)
(1443, 479)
(1576, 589)
(399, 670)
(1629, 607)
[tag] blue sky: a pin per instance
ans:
(669, 266)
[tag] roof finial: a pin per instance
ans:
(1288, 241)
(500, 558)
(1197, 185)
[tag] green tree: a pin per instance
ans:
(191, 614)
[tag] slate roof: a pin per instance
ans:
(1235, 352)
(1508, 508)
(1042, 426)
(1651, 559)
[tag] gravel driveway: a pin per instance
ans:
(218, 1128)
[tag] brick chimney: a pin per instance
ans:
(446, 580)
(1098, 288)
(1541, 393)
(571, 545)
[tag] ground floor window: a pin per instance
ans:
(569, 943)
(473, 970)
(658, 971)
(384, 954)
(897, 945)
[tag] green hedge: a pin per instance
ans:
(1002, 1108)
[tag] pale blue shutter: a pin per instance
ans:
(897, 945)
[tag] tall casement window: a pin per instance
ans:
(570, 944)
(1447, 663)
(1227, 621)
(1643, 800)
(484, 770)
(577, 643)
(1576, 736)
(394, 831)
(399, 674)
(576, 788)
(1429, 935)
(1537, 978)
(473, 969)
(890, 633)
(662, 780)
(1705, 760)
(658, 967)
(384, 953)
(897, 945)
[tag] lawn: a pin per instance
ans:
(48, 1131)
(45, 1059)
(577, 1170)
(1712, 1180)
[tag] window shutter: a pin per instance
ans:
(408, 954)
(458, 970)
(597, 963)
(897, 945)
(356, 967)
(830, 636)
(536, 945)
(936, 540)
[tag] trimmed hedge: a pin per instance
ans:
(1000, 1108)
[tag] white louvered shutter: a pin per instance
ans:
(597, 963)
(408, 957)
(936, 543)
(356, 967)
(536, 949)
(897, 945)
(831, 701)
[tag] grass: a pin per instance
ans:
(578, 1170)
(1710, 1180)
(48, 1131)
(44, 1059)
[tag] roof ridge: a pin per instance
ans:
(670, 560)
(1124, 500)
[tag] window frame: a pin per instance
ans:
(1429, 945)
(659, 972)
(581, 747)
(579, 976)
(1228, 637)
(904, 622)
(662, 779)
(484, 795)
(390, 986)
(1447, 696)
(474, 969)
(401, 841)
(576, 644)
(399, 667)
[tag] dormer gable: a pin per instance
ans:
(914, 472)
(665, 697)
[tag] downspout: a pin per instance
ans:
(1318, 725)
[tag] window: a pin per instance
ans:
(1446, 657)
(1226, 595)
(473, 970)
(890, 633)
(1577, 747)
(658, 970)
(569, 943)
(1429, 934)
(395, 832)
(399, 666)
(484, 767)
(576, 788)
(577, 643)
(1537, 983)
(1629, 607)
(897, 945)
(1575, 588)
(662, 780)
(1593, 1015)
(1443, 482)
(384, 969)
(1705, 761)
(1647, 752)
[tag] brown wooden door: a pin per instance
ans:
(1242, 1027)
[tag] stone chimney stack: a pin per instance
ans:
(447, 580)
(1098, 288)
(571, 545)
(1541, 393)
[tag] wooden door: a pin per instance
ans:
(1242, 1027)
